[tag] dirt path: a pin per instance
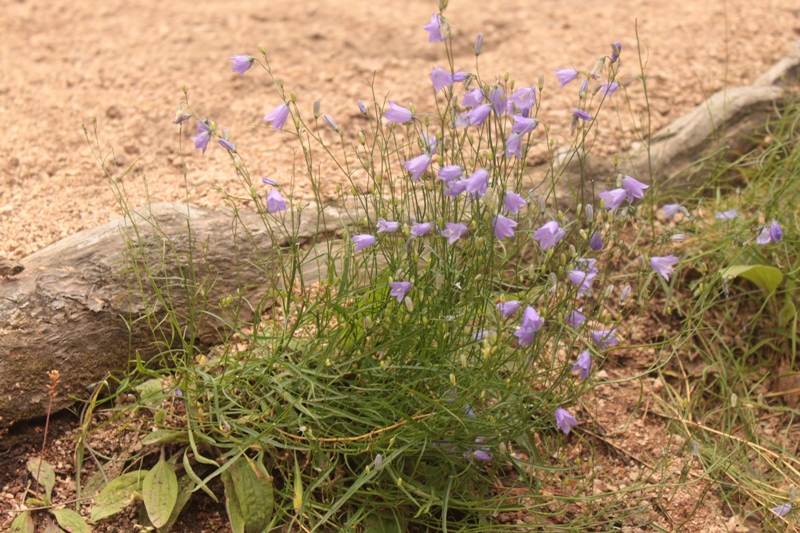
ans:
(124, 63)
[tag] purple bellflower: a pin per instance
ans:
(508, 308)
(450, 173)
(549, 235)
(524, 125)
(473, 98)
(420, 229)
(670, 210)
(566, 75)
(478, 114)
(503, 227)
(497, 96)
(531, 323)
(523, 99)
(565, 421)
(514, 146)
(460, 76)
(605, 339)
(613, 198)
(584, 365)
(576, 317)
(454, 231)
(181, 117)
(615, 53)
(455, 188)
(479, 455)
(608, 88)
(434, 29)
(269, 181)
(581, 114)
(596, 242)
(278, 116)
(362, 107)
(417, 166)
(242, 64)
(363, 241)
(399, 289)
(202, 137)
(227, 145)
(634, 188)
(275, 202)
(583, 280)
(772, 233)
(398, 114)
(730, 214)
(664, 265)
(477, 182)
(513, 201)
(387, 227)
(441, 78)
(782, 510)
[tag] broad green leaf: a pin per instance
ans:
(117, 495)
(71, 521)
(22, 524)
(160, 492)
(788, 313)
(150, 392)
(186, 486)
(46, 474)
(763, 276)
(164, 436)
(249, 492)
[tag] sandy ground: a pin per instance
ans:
(64, 63)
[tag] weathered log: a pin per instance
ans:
(77, 306)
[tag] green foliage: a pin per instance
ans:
(763, 276)
(71, 521)
(160, 492)
(117, 495)
(43, 472)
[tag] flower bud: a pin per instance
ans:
(331, 123)
(362, 140)
(595, 73)
(262, 49)
(399, 482)
(368, 323)
(438, 281)
(553, 279)
(378, 462)
(609, 291)
(463, 361)
(409, 304)
(583, 88)
(542, 204)
(589, 213)
(541, 82)
(734, 399)
(442, 4)
(293, 96)
(316, 108)
(640, 261)
(479, 44)
(625, 293)
(185, 89)
(678, 237)
(572, 251)
(616, 159)
(453, 379)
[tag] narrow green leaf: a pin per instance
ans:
(187, 466)
(763, 276)
(160, 492)
(117, 495)
(788, 313)
(165, 436)
(249, 492)
(22, 524)
(47, 476)
(71, 521)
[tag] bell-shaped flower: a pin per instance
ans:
(508, 308)
(565, 421)
(513, 201)
(454, 231)
(531, 323)
(549, 235)
(202, 137)
(278, 116)
(363, 241)
(664, 266)
(242, 64)
(399, 289)
(450, 173)
(566, 75)
(523, 125)
(397, 114)
(419, 229)
(503, 227)
(473, 98)
(387, 227)
(417, 166)
(434, 29)
(633, 187)
(275, 202)
(605, 339)
(583, 365)
(613, 198)
(441, 78)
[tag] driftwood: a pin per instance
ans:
(70, 307)
(74, 306)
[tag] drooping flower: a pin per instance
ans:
(497, 96)
(387, 227)
(524, 125)
(278, 116)
(454, 231)
(513, 201)
(503, 227)
(454, 188)
(398, 114)
(480, 455)
(478, 114)
(613, 198)
(596, 242)
(275, 201)
(181, 117)
(434, 29)
(477, 182)
(565, 421)
(670, 210)
(772, 233)
(523, 99)
(417, 166)
(531, 323)
(583, 280)
(242, 64)
(634, 188)
(581, 114)
(441, 78)
(363, 241)
(730, 214)
(469, 412)
(473, 98)
(508, 308)
(202, 137)
(782, 510)
(605, 339)
(227, 145)
(460, 76)
(615, 51)
(269, 181)
(576, 317)
(419, 229)
(664, 265)
(566, 75)
(608, 88)
(549, 235)
(450, 173)
(514, 146)
(584, 365)
(362, 107)
(399, 289)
